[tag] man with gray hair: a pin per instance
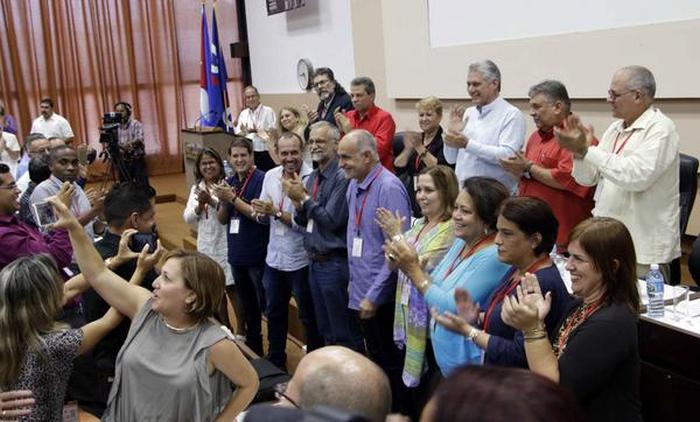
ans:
(340, 378)
(477, 137)
(635, 166)
(322, 209)
(369, 117)
(544, 171)
(372, 282)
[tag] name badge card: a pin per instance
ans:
(235, 226)
(310, 226)
(357, 247)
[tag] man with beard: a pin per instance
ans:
(332, 95)
(286, 264)
(322, 209)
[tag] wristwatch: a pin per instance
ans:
(278, 215)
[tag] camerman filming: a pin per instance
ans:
(131, 146)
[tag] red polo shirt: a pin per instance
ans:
(571, 205)
(380, 124)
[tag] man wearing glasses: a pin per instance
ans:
(635, 166)
(20, 239)
(332, 95)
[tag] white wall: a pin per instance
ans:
(320, 31)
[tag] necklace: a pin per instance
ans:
(176, 329)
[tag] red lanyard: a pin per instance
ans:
(241, 191)
(573, 322)
(508, 288)
(461, 257)
(358, 213)
(315, 187)
(623, 142)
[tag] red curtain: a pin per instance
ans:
(89, 54)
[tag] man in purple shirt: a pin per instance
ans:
(20, 239)
(372, 284)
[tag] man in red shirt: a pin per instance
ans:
(369, 117)
(545, 169)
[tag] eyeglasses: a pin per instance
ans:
(321, 83)
(11, 186)
(280, 390)
(615, 95)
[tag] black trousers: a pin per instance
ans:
(251, 293)
(378, 333)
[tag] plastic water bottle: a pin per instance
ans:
(227, 169)
(655, 292)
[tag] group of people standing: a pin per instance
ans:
(393, 253)
(422, 267)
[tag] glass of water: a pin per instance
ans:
(681, 303)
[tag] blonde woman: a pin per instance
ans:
(36, 352)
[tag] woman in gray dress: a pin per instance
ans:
(178, 362)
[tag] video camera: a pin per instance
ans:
(109, 132)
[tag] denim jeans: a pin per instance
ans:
(329, 288)
(279, 287)
(250, 291)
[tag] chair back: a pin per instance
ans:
(688, 188)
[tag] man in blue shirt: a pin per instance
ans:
(372, 283)
(247, 239)
(321, 208)
(493, 129)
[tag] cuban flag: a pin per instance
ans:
(218, 95)
(205, 115)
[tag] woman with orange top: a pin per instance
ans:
(527, 230)
(471, 263)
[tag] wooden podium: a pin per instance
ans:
(195, 139)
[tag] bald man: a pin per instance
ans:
(338, 377)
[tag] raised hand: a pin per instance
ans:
(456, 121)
(390, 223)
(263, 207)
(515, 165)
(402, 254)
(574, 136)
(146, 260)
(466, 308)
(65, 194)
(294, 188)
(528, 308)
(66, 219)
(341, 120)
(224, 191)
(451, 321)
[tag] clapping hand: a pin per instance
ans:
(390, 223)
(402, 254)
(311, 115)
(204, 197)
(294, 188)
(342, 120)
(466, 317)
(515, 165)
(574, 136)
(455, 125)
(224, 192)
(528, 308)
(262, 207)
